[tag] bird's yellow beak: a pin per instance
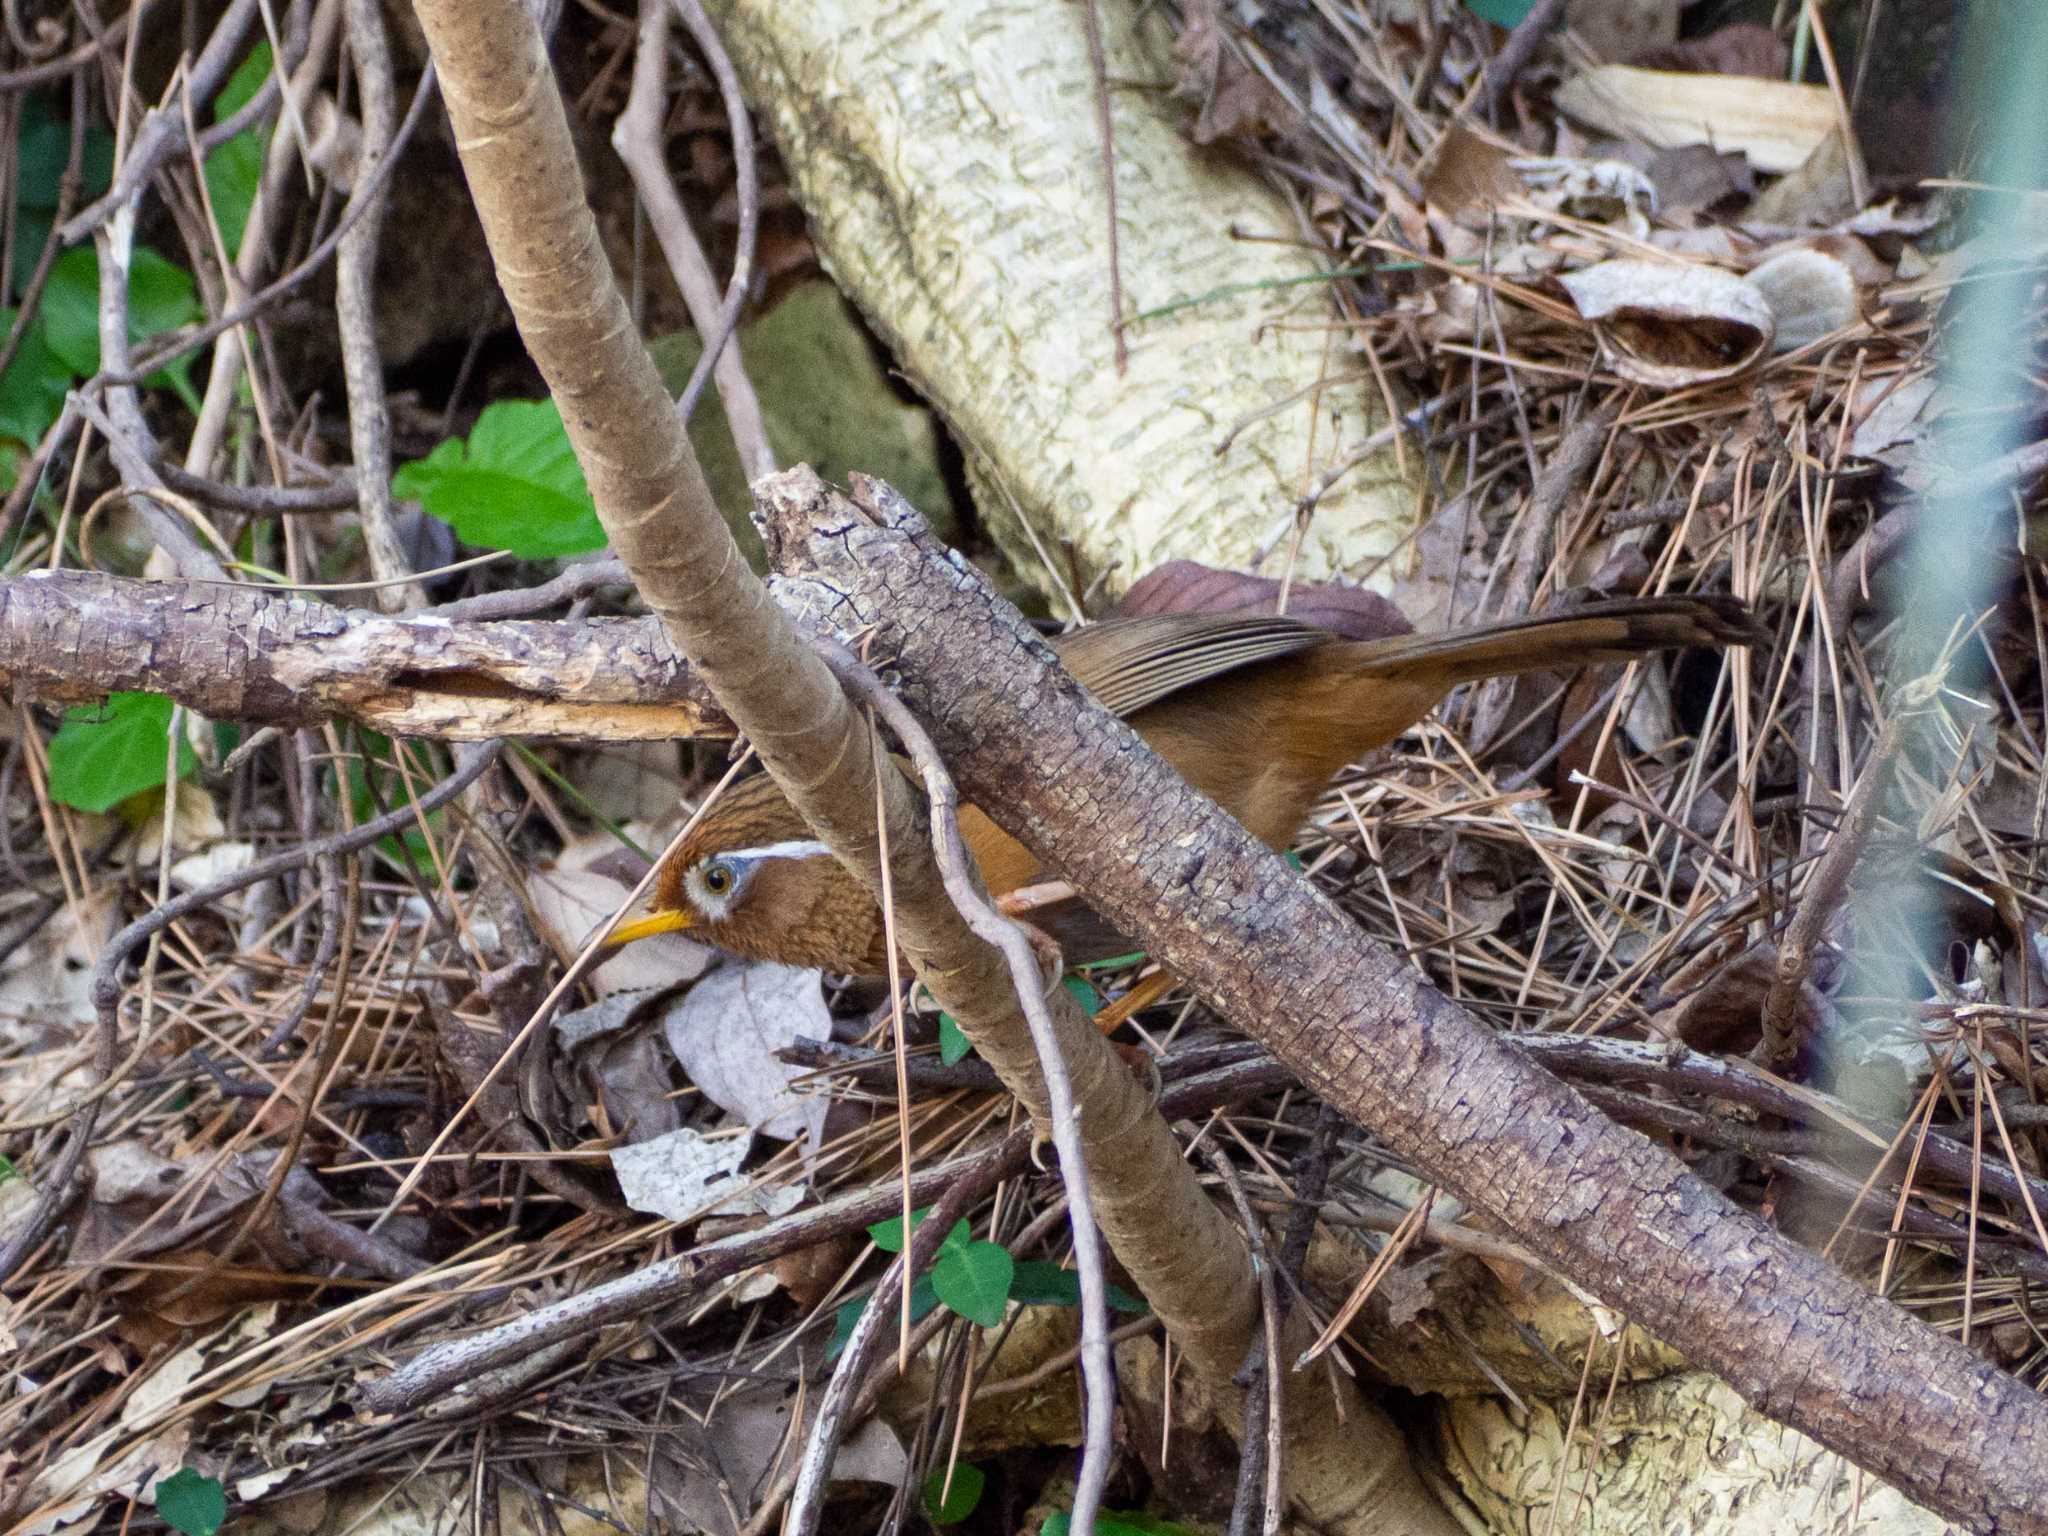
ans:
(648, 927)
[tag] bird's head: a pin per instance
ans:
(754, 880)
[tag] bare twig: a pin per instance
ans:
(367, 193)
(637, 137)
(1783, 1016)
(1259, 1465)
(161, 134)
(1515, 54)
(747, 170)
(957, 870)
(369, 422)
(821, 1446)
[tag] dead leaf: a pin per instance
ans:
(1620, 29)
(1186, 586)
(726, 1031)
(680, 1176)
(1235, 100)
(1469, 176)
(1740, 48)
(1811, 292)
(571, 898)
(1670, 325)
(728, 1464)
(1820, 190)
(1776, 124)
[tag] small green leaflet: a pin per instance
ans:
(888, 1235)
(948, 1505)
(1502, 13)
(954, 1046)
(514, 485)
(1086, 995)
(922, 1299)
(1117, 1522)
(196, 1505)
(236, 167)
(103, 754)
(1042, 1283)
(161, 297)
(974, 1280)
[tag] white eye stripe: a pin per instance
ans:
(805, 848)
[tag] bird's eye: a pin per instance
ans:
(717, 878)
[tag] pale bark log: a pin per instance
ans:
(949, 159)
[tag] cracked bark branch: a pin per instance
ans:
(1797, 1338)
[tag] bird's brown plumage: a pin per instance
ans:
(1258, 713)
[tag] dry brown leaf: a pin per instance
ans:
(1186, 586)
(1668, 325)
(1621, 29)
(1819, 192)
(1741, 48)
(1469, 176)
(1776, 124)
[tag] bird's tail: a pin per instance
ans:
(1608, 631)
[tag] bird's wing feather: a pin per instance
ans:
(1130, 663)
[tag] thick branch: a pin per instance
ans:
(1799, 1339)
(242, 653)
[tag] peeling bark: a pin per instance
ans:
(262, 658)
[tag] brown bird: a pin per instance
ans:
(1259, 713)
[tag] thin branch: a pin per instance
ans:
(957, 870)
(637, 138)
(747, 169)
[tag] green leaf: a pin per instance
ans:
(948, 1504)
(32, 388)
(1118, 1522)
(161, 297)
(1042, 1283)
(8, 1170)
(953, 1042)
(888, 1235)
(1086, 995)
(42, 148)
(196, 1505)
(235, 168)
(103, 754)
(515, 484)
(922, 1299)
(1502, 13)
(974, 1280)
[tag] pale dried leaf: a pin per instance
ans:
(1776, 124)
(569, 903)
(1812, 293)
(679, 1176)
(1671, 325)
(727, 1029)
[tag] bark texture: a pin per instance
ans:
(1797, 1338)
(262, 658)
(949, 160)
